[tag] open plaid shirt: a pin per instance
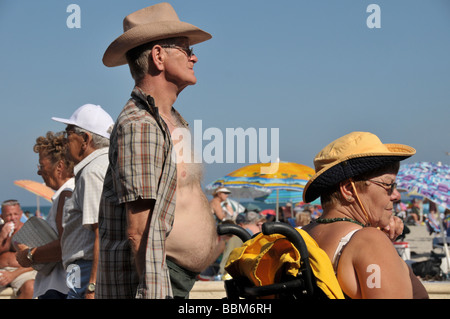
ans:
(141, 167)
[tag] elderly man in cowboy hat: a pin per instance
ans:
(88, 131)
(156, 228)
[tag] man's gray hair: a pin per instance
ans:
(252, 217)
(98, 141)
(10, 202)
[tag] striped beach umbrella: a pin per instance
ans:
(275, 177)
(430, 180)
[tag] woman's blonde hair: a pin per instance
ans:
(303, 218)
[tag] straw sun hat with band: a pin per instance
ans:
(349, 156)
(156, 22)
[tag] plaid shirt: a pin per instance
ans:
(141, 167)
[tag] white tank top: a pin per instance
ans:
(342, 243)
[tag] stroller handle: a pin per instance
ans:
(225, 229)
(296, 239)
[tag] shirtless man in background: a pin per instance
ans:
(21, 279)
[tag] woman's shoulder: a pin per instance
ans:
(372, 241)
(372, 235)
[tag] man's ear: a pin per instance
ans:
(157, 57)
(87, 139)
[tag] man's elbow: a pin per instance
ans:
(134, 238)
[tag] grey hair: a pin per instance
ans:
(252, 217)
(10, 202)
(138, 58)
(98, 141)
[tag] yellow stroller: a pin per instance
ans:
(280, 262)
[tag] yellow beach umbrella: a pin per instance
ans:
(40, 189)
(272, 176)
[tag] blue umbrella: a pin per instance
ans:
(431, 181)
(427, 179)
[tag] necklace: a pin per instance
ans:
(339, 219)
(166, 118)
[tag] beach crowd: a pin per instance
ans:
(132, 222)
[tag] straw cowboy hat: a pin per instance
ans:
(156, 22)
(349, 156)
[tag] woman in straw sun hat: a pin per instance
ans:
(355, 179)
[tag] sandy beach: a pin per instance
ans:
(420, 242)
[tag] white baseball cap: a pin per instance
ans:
(91, 118)
(222, 190)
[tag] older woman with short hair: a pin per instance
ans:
(355, 178)
(56, 169)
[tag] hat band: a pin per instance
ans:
(360, 202)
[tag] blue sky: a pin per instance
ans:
(313, 69)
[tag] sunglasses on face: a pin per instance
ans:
(188, 51)
(388, 187)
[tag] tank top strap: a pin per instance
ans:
(342, 243)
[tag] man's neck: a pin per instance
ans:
(163, 94)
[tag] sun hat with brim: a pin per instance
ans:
(222, 190)
(156, 22)
(90, 117)
(349, 156)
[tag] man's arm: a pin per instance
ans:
(139, 215)
(5, 243)
(6, 277)
(93, 277)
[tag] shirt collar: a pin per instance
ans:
(89, 159)
(69, 185)
(150, 102)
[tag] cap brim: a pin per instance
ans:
(65, 121)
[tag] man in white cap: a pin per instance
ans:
(149, 248)
(88, 131)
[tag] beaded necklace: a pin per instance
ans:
(339, 219)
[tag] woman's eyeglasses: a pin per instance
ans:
(390, 187)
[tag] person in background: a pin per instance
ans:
(315, 211)
(88, 131)
(222, 210)
(12, 274)
(56, 169)
(355, 179)
(414, 214)
(303, 218)
(287, 211)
